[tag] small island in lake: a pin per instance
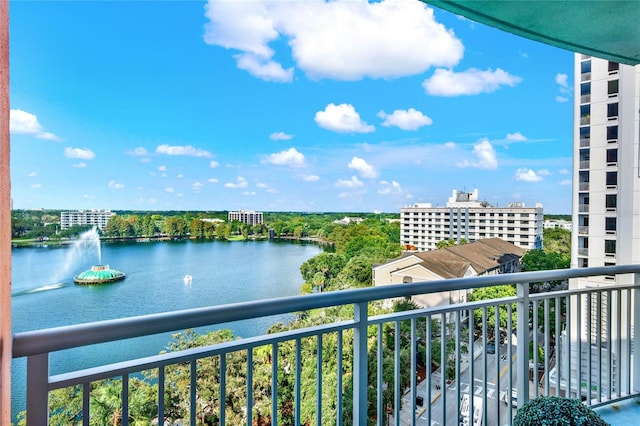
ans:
(99, 274)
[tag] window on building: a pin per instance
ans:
(610, 224)
(613, 67)
(612, 178)
(612, 88)
(585, 67)
(612, 156)
(612, 111)
(585, 114)
(612, 133)
(611, 201)
(609, 247)
(585, 133)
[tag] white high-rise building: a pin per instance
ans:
(606, 207)
(606, 174)
(466, 217)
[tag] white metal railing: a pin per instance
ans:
(582, 349)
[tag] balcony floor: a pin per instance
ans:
(625, 413)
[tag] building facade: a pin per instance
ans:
(246, 216)
(97, 218)
(606, 197)
(466, 217)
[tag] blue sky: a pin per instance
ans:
(281, 106)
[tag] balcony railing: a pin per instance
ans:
(582, 340)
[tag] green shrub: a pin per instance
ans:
(556, 411)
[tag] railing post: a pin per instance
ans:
(38, 390)
(360, 364)
(522, 347)
(636, 327)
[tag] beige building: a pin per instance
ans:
(483, 257)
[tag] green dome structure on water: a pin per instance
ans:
(99, 274)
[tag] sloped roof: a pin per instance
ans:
(482, 255)
(607, 29)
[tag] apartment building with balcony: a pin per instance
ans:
(606, 198)
(246, 216)
(422, 226)
(607, 183)
(97, 218)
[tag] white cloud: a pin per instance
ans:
(262, 185)
(354, 182)
(544, 172)
(387, 39)
(115, 185)
(33, 174)
(562, 99)
(565, 182)
(137, 152)
(266, 70)
(563, 171)
(169, 189)
(182, 150)
(239, 183)
(80, 165)
(36, 186)
(280, 136)
(363, 168)
(450, 145)
(197, 186)
(390, 188)
(562, 79)
(410, 119)
(179, 175)
(22, 122)
(213, 164)
(162, 168)
(249, 193)
(485, 154)
(83, 154)
(445, 82)
(527, 175)
(516, 137)
(290, 157)
(310, 178)
(342, 118)
(213, 180)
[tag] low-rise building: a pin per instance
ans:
(489, 256)
(97, 218)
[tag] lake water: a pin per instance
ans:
(45, 296)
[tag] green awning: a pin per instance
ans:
(608, 29)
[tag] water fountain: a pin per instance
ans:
(98, 274)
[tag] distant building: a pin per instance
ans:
(347, 220)
(466, 217)
(246, 216)
(557, 223)
(490, 256)
(97, 218)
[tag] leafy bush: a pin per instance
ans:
(556, 411)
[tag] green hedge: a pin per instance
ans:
(556, 411)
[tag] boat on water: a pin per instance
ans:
(187, 279)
